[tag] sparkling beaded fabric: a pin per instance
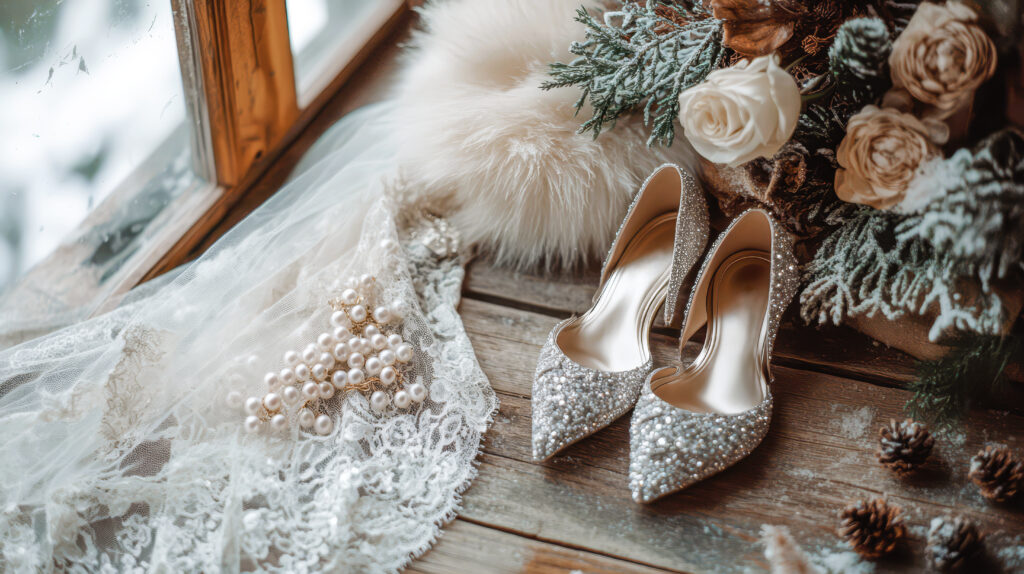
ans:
(691, 239)
(571, 401)
(672, 448)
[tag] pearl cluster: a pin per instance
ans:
(362, 352)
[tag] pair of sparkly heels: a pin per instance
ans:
(690, 421)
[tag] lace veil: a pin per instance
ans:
(119, 452)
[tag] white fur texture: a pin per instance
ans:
(502, 154)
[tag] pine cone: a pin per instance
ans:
(872, 528)
(859, 60)
(952, 542)
(905, 445)
(997, 473)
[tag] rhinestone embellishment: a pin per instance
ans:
(690, 238)
(672, 448)
(571, 402)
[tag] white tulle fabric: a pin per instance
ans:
(118, 452)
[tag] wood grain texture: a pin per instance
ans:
(265, 175)
(839, 350)
(818, 456)
(245, 76)
(468, 547)
(363, 84)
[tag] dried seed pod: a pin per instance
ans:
(872, 528)
(904, 446)
(997, 473)
(952, 542)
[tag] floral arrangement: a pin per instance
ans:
(853, 121)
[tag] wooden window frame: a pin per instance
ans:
(243, 114)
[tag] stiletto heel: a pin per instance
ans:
(591, 368)
(694, 421)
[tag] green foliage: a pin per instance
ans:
(640, 56)
(858, 75)
(895, 264)
(980, 218)
(820, 127)
(863, 269)
(974, 369)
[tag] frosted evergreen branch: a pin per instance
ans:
(645, 60)
(980, 217)
(973, 370)
(918, 263)
(863, 270)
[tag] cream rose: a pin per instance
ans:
(880, 155)
(942, 57)
(741, 113)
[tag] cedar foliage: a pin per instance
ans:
(897, 264)
(975, 368)
(641, 56)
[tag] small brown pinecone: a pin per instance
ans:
(952, 542)
(905, 445)
(997, 473)
(873, 528)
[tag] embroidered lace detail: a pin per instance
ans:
(156, 474)
(125, 396)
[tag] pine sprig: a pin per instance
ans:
(640, 56)
(893, 264)
(975, 368)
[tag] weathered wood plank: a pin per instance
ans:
(818, 456)
(367, 83)
(239, 79)
(266, 174)
(838, 350)
(469, 547)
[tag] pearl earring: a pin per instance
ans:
(362, 351)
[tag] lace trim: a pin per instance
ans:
(162, 477)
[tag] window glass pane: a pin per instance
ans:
(324, 34)
(92, 109)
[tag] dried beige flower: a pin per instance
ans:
(880, 155)
(942, 57)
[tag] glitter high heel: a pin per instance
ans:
(696, 420)
(591, 367)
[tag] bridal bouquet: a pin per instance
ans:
(879, 131)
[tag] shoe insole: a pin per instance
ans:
(729, 374)
(613, 335)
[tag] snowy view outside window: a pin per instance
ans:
(316, 28)
(90, 92)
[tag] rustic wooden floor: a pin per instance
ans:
(834, 388)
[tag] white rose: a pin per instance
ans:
(740, 113)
